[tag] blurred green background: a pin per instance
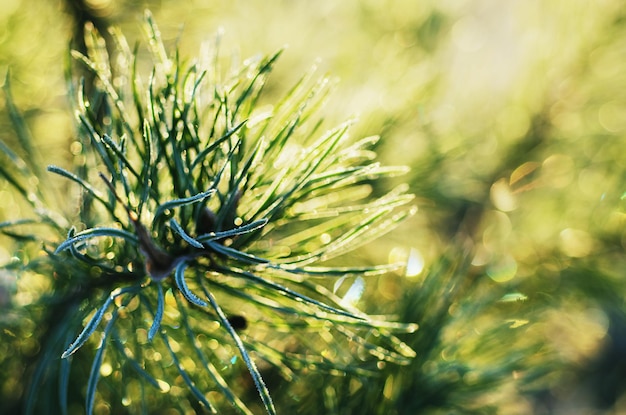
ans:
(511, 115)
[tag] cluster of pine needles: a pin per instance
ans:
(197, 243)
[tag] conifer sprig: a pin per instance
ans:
(202, 212)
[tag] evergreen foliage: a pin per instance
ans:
(200, 237)
(202, 220)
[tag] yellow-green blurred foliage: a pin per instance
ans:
(511, 115)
